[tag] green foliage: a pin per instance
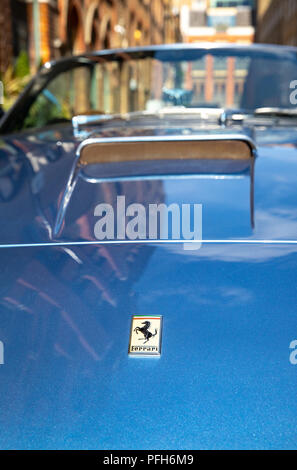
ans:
(44, 112)
(22, 66)
(15, 79)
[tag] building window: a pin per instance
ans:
(216, 21)
(231, 3)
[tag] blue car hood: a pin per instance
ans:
(224, 379)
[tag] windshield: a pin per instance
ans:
(124, 83)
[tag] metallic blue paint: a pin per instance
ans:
(224, 379)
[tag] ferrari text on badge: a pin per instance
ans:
(145, 336)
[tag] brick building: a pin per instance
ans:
(218, 20)
(6, 49)
(218, 81)
(276, 22)
(49, 29)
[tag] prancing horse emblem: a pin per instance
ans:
(145, 336)
(145, 331)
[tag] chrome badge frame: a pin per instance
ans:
(145, 336)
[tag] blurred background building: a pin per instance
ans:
(48, 29)
(35, 31)
(218, 20)
(219, 80)
(277, 22)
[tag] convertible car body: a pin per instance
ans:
(208, 125)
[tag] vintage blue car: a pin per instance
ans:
(116, 334)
